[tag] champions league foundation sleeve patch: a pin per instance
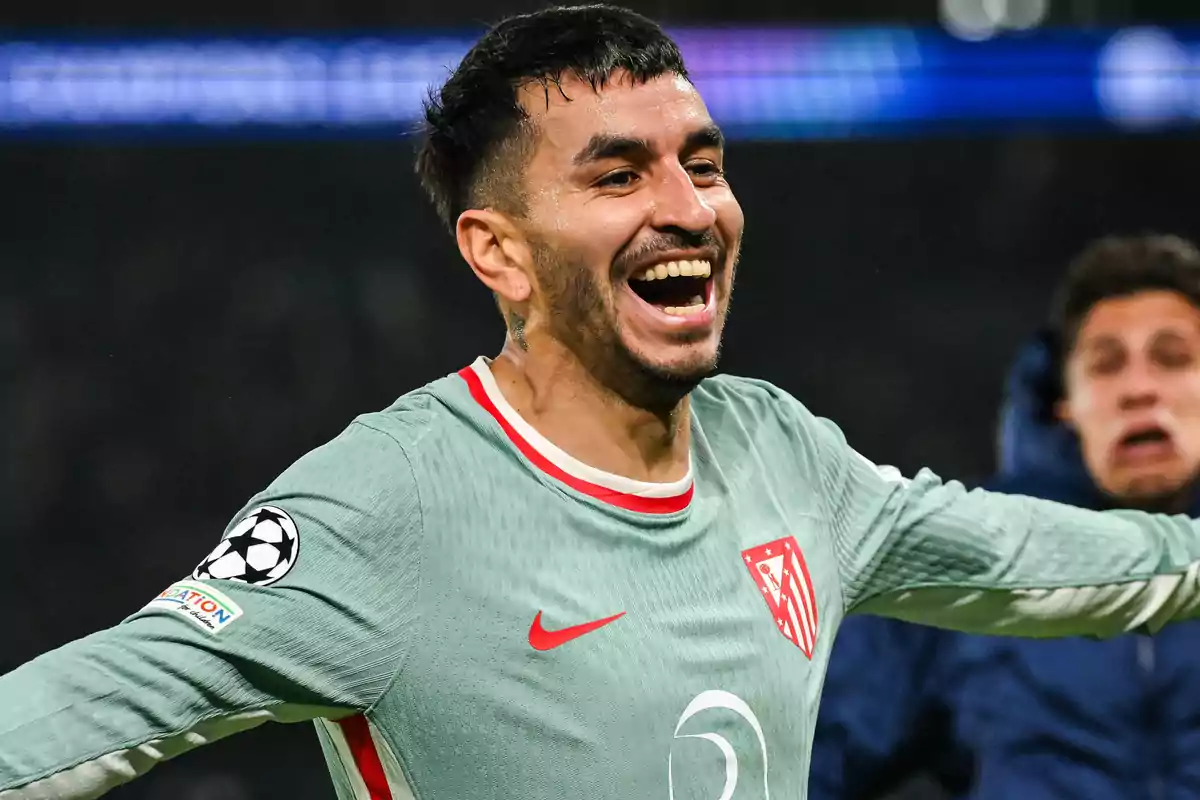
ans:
(200, 604)
(259, 550)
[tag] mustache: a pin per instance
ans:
(664, 242)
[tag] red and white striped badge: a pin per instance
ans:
(782, 576)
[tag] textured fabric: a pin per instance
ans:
(1118, 718)
(881, 722)
(1103, 719)
(984, 562)
(1002, 717)
(434, 552)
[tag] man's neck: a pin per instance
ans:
(563, 402)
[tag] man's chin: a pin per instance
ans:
(660, 381)
(694, 365)
(1167, 491)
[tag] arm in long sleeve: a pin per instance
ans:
(209, 658)
(929, 551)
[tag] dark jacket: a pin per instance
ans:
(1005, 719)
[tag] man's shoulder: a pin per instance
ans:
(751, 399)
(382, 446)
(736, 391)
(746, 416)
(411, 417)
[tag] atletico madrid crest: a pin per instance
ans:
(782, 576)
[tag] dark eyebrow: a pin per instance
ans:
(708, 136)
(1167, 334)
(1103, 341)
(603, 146)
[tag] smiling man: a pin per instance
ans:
(585, 568)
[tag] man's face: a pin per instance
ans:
(1133, 394)
(626, 183)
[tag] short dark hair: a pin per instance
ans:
(477, 139)
(1118, 266)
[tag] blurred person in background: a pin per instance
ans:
(1102, 411)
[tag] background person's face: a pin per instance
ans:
(1133, 394)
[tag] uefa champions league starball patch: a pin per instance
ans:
(259, 550)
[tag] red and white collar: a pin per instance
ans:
(617, 490)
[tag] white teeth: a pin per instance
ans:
(684, 311)
(674, 269)
(698, 300)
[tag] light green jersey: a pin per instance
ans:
(469, 613)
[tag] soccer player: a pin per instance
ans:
(1103, 411)
(583, 568)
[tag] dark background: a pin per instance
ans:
(181, 320)
(375, 14)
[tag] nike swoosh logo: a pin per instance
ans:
(542, 639)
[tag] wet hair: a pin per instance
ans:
(1119, 266)
(478, 139)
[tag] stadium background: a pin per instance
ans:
(189, 299)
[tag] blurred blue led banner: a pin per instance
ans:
(759, 84)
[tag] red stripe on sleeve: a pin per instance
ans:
(366, 757)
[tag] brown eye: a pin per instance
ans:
(618, 180)
(1174, 357)
(1105, 364)
(1172, 351)
(705, 170)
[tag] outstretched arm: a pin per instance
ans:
(208, 658)
(929, 551)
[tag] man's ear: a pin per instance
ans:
(497, 252)
(1062, 410)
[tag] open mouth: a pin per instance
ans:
(1148, 442)
(1153, 435)
(678, 288)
